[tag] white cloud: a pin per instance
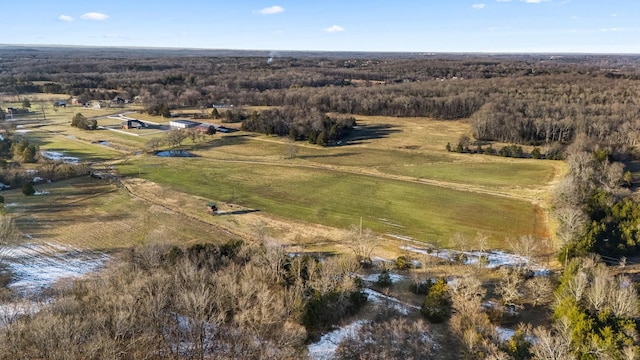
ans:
(535, 1)
(610, 29)
(271, 10)
(94, 16)
(333, 29)
(65, 18)
(503, 0)
(478, 6)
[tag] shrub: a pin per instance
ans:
(384, 279)
(28, 189)
(437, 306)
(536, 153)
(403, 263)
(81, 122)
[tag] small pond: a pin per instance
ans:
(174, 153)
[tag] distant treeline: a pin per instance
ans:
(518, 99)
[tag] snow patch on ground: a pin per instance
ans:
(374, 277)
(401, 237)
(10, 312)
(504, 334)
(44, 192)
(492, 259)
(59, 156)
(35, 267)
(326, 347)
(378, 298)
(381, 260)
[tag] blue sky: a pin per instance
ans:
(594, 26)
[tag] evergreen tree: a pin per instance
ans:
(437, 306)
(536, 153)
(28, 189)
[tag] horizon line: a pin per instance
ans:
(176, 48)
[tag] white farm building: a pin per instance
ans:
(183, 124)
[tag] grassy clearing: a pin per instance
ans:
(339, 199)
(94, 214)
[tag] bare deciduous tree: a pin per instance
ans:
(509, 287)
(394, 339)
(527, 247)
(459, 241)
(175, 137)
(572, 221)
(539, 289)
(154, 143)
(552, 344)
(623, 298)
(292, 149)
(362, 242)
(482, 241)
(599, 288)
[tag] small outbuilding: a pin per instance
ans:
(133, 124)
(183, 124)
(212, 208)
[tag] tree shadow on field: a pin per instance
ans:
(327, 155)
(364, 133)
(236, 212)
(222, 141)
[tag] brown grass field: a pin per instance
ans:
(94, 214)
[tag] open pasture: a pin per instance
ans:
(336, 198)
(394, 173)
(92, 214)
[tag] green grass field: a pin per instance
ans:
(394, 173)
(339, 199)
